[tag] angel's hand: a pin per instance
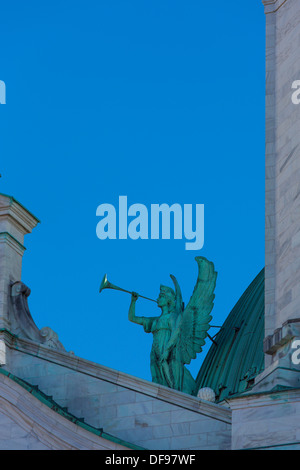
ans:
(134, 296)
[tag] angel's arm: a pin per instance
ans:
(146, 322)
(131, 313)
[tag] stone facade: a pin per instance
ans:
(266, 421)
(282, 223)
(134, 410)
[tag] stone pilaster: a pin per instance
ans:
(282, 184)
(15, 223)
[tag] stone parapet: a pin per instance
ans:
(132, 409)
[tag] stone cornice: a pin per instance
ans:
(263, 399)
(12, 209)
(271, 6)
(6, 237)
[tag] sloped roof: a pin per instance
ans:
(232, 363)
(50, 403)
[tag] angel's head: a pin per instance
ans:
(166, 298)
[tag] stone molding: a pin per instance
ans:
(12, 242)
(271, 6)
(17, 215)
(262, 399)
(289, 330)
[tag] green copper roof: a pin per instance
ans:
(237, 357)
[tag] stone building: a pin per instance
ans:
(52, 399)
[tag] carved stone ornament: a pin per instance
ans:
(207, 394)
(22, 323)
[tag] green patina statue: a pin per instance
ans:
(179, 332)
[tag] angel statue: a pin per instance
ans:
(179, 332)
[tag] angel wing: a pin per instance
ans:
(194, 321)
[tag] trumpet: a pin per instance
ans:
(105, 284)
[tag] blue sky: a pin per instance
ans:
(161, 101)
